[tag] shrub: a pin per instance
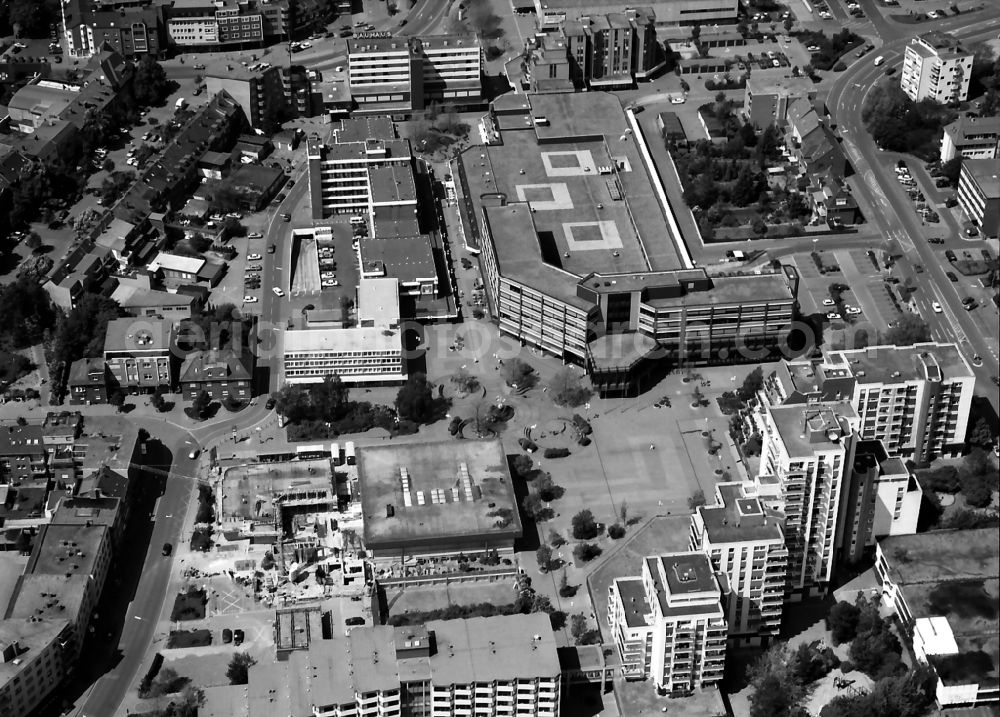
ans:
(840, 66)
(847, 667)
(842, 622)
(616, 531)
(556, 452)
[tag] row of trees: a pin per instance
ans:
(898, 124)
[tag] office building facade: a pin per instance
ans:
(936, 67)
(403, 75)
(972, 138)
(612, 50)
(668, 624)
(746, 544)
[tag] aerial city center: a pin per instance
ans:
(499, 358)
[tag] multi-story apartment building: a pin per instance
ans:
(34, 660)
(769, 94)
(139, 354)
(612, 50)
(936, 66)
(268, 94)
(669, 624)
(340, 174)
(915, 399)
(370, 353)
(745, 542)
(130, 31)
(401, 75)
(881, 498)
(972, 138)
(224, 374)
(447, 668)
(807, 451)
(196, 23)
(64, 577)
(979, 194)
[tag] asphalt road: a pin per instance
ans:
(426, 17)
(894, 215)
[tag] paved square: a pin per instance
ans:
(571, 163)
(586, 236)
(551, 197)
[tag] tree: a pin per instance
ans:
(116, 398)
(808, 70)
(33, 242)
(555, 539)
(465, 381)
(293, 402)
(519, 374)
(616, 531)
(759, 226)
(201, 405)
(978, 479)
(753, 383)
(585, 552)
(27, 311)
(623, 512)
(415, 400)
(32, 18)
(696, 499)
(768, 144)
(548, 491)
(543, 556)
(748, 188)
(584, 525)
(789, 23)
(521, 465)
(157, 401)
(951, 169)
(238, 671)
(535, 509)
(909, 329)
(567, 389)
(115, 185)
(150, 85)
(842, 622)
(775, 692)
(981, 434)
(330, 399)
(565, 589)
(81, 332)
(898, 124)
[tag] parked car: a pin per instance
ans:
(270, 403)
(254, 257)
(937, 307)
(227, 636)
(194, 453)
(351, 621)
(167, 549)
(238, 637)
(248, 299)
(277, 291)
(270, 249)
(951, 276)
(829, 302)
(833, 315)
(255, 267)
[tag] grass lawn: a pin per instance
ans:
(189, 605)
(189, 638)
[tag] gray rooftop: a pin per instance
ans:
(740, 518)
(897, 364)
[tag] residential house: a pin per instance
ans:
(222, 373)
(88, 382)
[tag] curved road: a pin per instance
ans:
(894, 215)
(144, 612)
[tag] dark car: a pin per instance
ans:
(951, 276)
(352, 621)
(167, 549)
(270, 249)
(950, 255)
(238, 637)
(270, 403)
(227, 636)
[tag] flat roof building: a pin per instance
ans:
(945, 586)
(979, 194)
(367, 354)
(745, 542)
(937, 67)
(409, 259)
(33, 662)
(972, 138)
(576, 260)
(667, 12)
(668, 624)
(437, 499)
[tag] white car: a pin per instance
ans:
(277, 291)
(829, 302)
(853, 310)
(254, 257)
(330, 282)
(833, 315)
(249, 299)
(933, 14)
(677, 99)
(255, 235)
(905, 177)
(254, 267)
(937, 307)
(775, 63)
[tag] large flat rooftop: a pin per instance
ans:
(897, 364)
(564, 170)
(67, 549)
(441, 504)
